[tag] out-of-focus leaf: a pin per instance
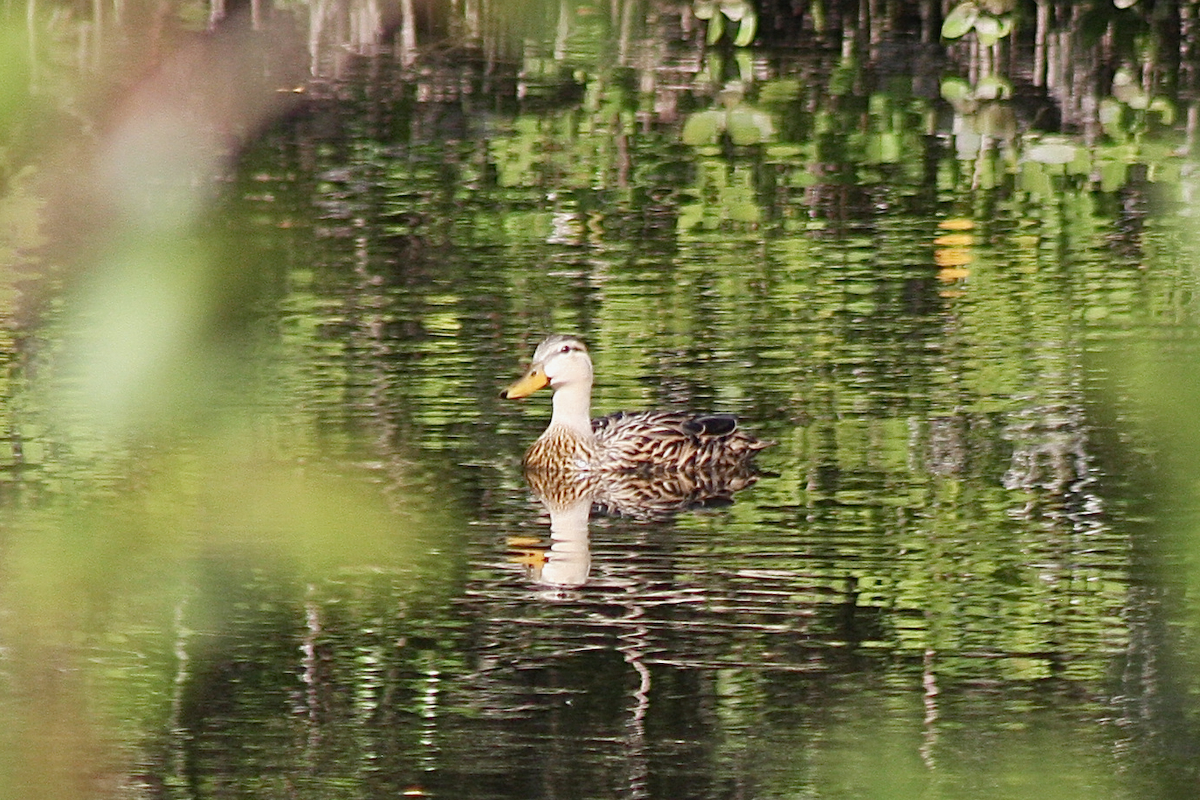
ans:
(1139, 101)
(988, 29)
(690, 215)
(703, 127)
(712, 67)
(745, 65)
(1124, 3)
(744, 212)
(787, 152)
(1126, 89)
(704, 9)
(993, 87)
(747, 126)
(732, 94)
(955, 90)
(960, 21)
(1052, 152)
(746, 30)
(1167, 172)
(967, 144)
(1110, 111)
(735, 10)
(779, 91)
(716, 28)
(1112, 175)
(1165, 109)
(884, 148)
(841, 80)
(1033, 179)
(1082, 163)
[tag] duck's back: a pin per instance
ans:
(673, 441)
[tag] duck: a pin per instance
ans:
(645, 442)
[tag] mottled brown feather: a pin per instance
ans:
(653, 441)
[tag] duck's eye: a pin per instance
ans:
(566, 348)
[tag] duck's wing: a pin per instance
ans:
(672, 440)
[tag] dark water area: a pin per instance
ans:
(306, 562)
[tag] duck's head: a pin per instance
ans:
(559, 361)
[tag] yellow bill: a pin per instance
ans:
(529, 383)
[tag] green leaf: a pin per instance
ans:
(746, 30)
(842, 79)
(1052, 152)
(1113, 175)
(747, 126)
(960, 21)
(787, 152)
(704, 9)
(1034, 179)
(967, 144)
(745, 65)
(742, 211)
(988, 29)
(779, 91)
(703, 127)
(734, 10)
(993, 87)
(884, 148)
(691, 216)
(955, 90)
(1110, 112)
(1165, 109)
(716, 27)
(713, 66)
(998, 7)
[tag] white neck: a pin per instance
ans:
(573, 408)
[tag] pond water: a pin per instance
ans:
(266, 529)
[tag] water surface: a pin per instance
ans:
(307, 562)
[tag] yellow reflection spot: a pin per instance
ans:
(951, 274)
(528, 551)
(952, 251)
(955, 240)
(952, 257)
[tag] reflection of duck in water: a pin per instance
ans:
(641, 495)
(666, 444)
(566, 561)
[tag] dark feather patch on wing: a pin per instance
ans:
(711, 425)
